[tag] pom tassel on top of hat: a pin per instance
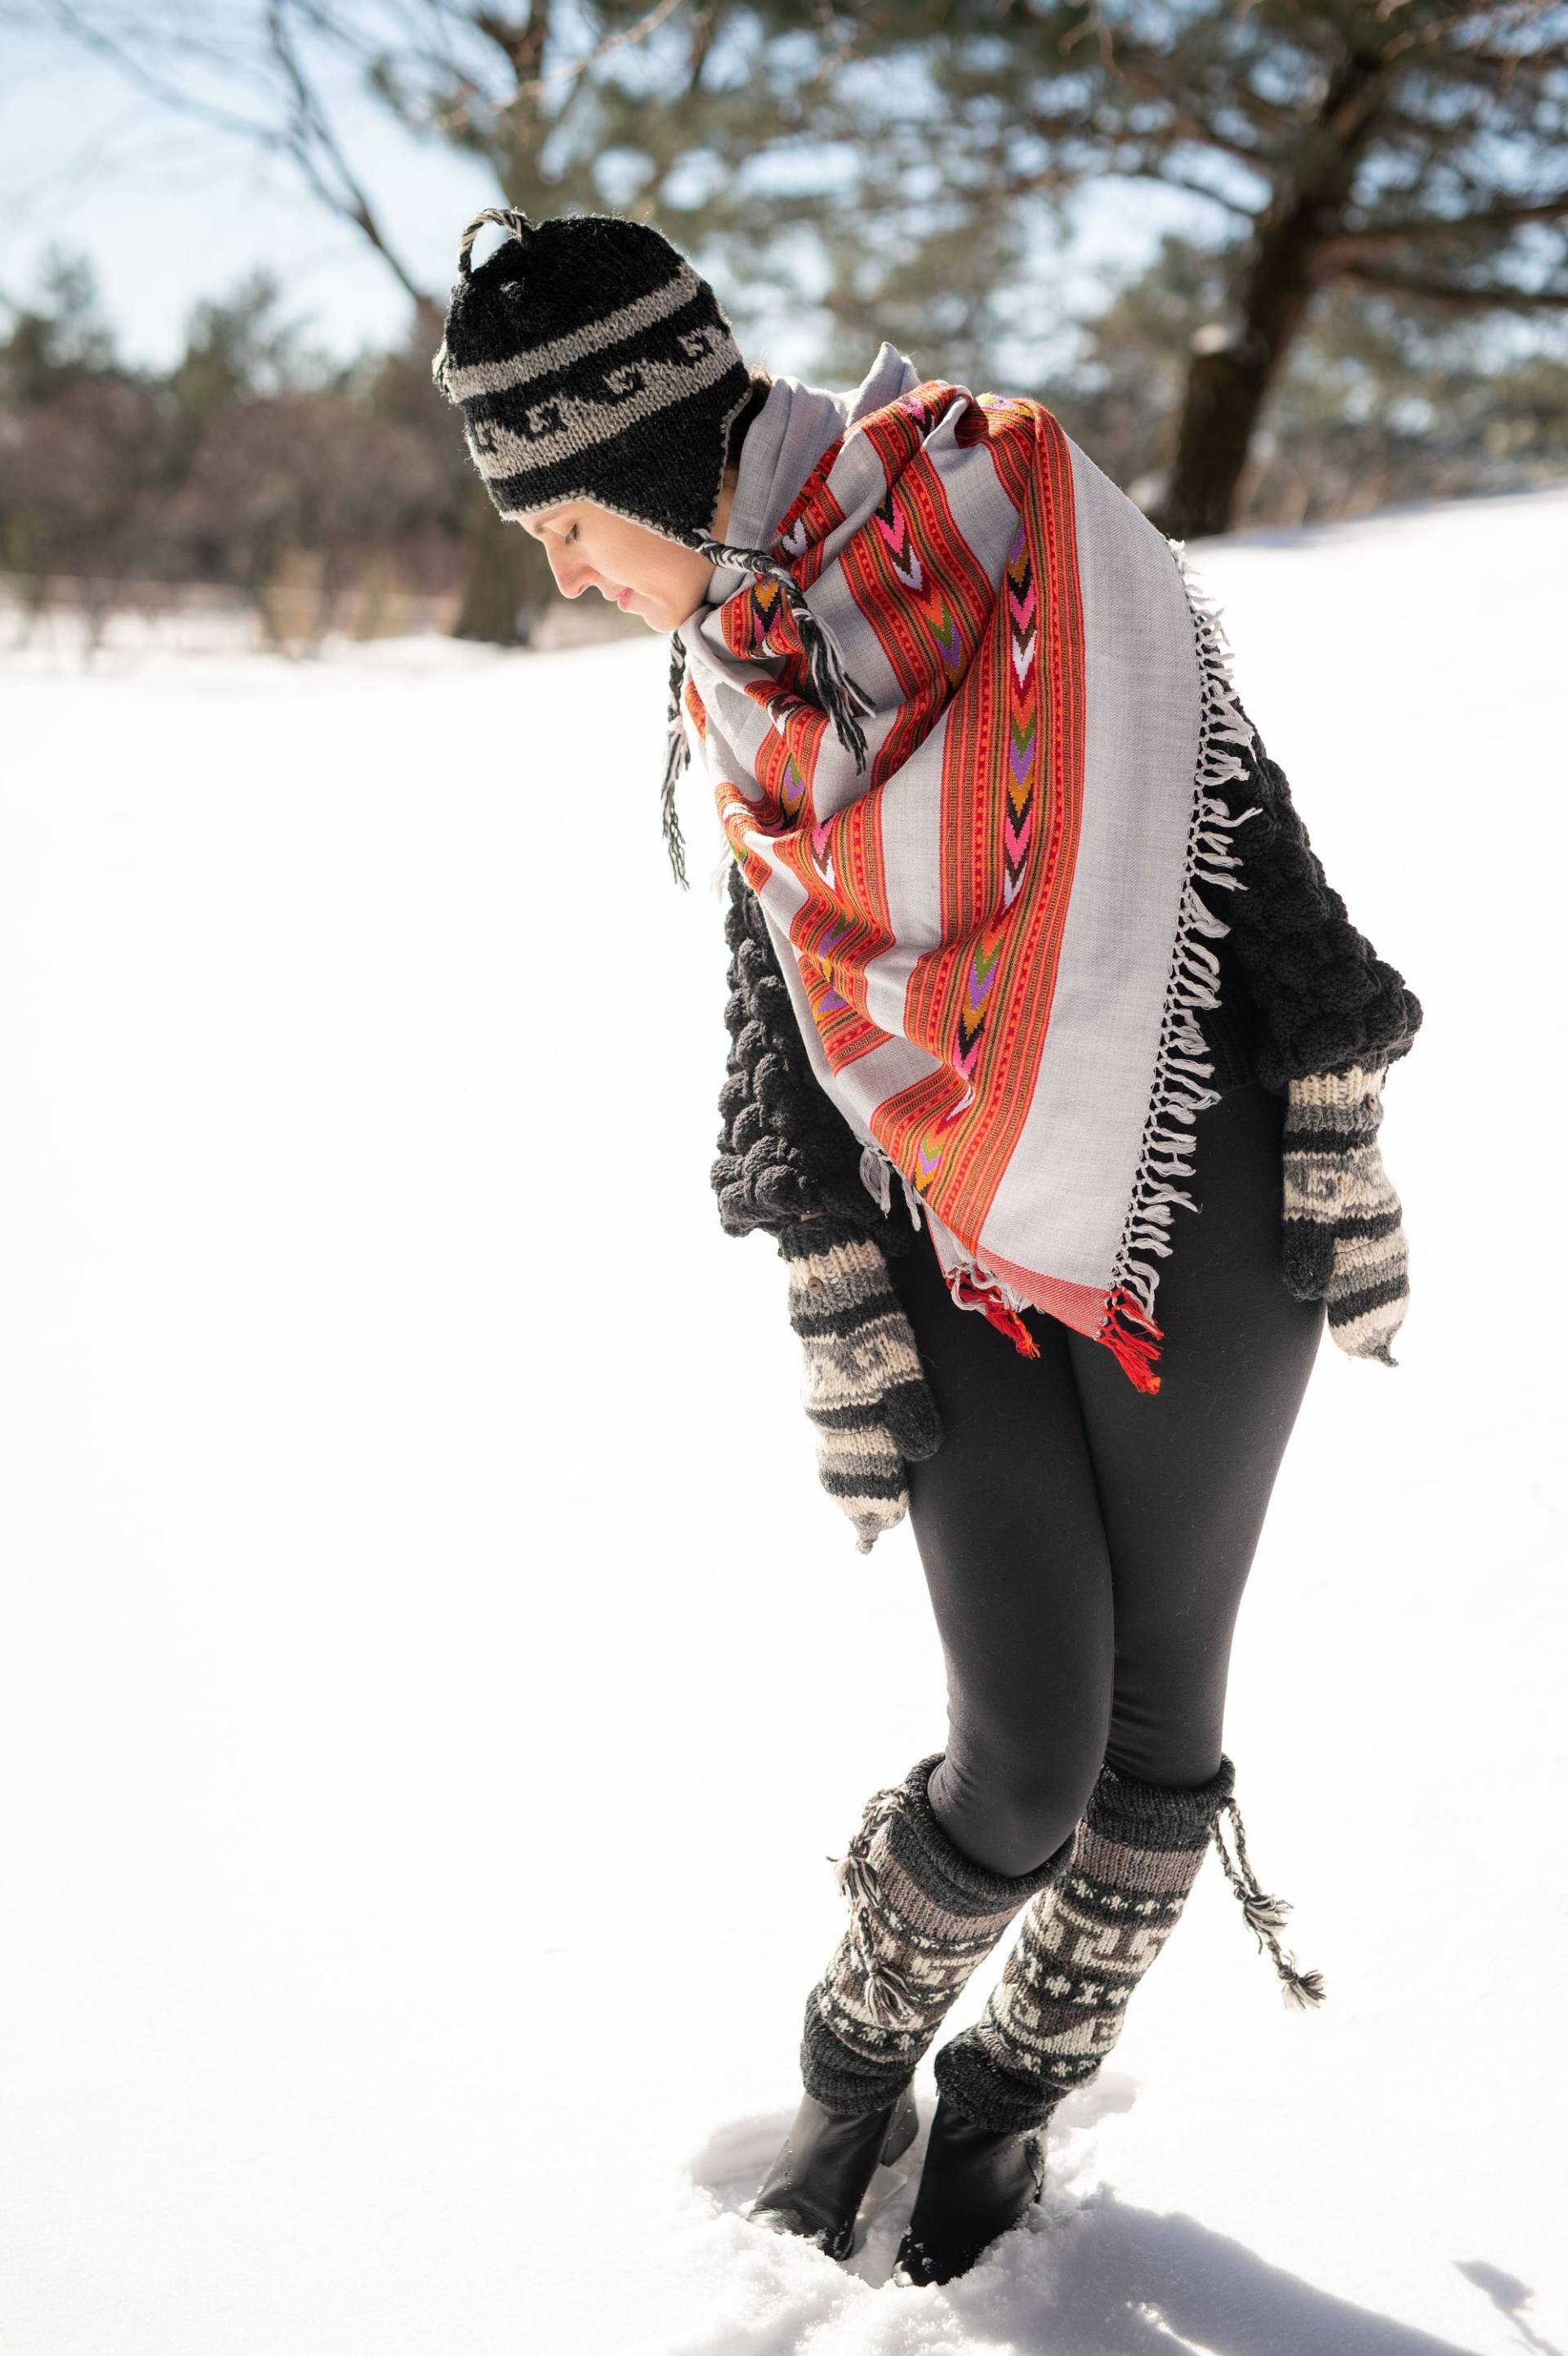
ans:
(505, 216)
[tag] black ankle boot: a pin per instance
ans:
(975, 2183)
(821, 2177)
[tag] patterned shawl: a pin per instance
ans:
(984, 907)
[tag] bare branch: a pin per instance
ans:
(1347, 243)
(1136, 69)
(311, 130)
(307, 139)
(522, 46)
(702, 45)
(1169, 180)
(125, 62)
(1457, 295)
(640, 31)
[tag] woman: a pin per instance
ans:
(984, 775)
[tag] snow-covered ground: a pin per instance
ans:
(420, 1760)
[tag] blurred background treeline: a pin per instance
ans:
(1338, 277)
(322, 496)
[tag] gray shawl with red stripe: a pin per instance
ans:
(994, 926)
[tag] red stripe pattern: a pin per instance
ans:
(1001, 668)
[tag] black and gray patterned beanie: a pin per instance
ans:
(591, 361)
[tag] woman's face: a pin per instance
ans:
(591, 547)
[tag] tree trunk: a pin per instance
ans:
(1227, 388)
(507, 579)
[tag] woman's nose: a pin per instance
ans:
(572, 576)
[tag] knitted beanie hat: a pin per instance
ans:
(591, 361)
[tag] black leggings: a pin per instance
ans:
(1085, 1544)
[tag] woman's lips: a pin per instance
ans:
(625, 595)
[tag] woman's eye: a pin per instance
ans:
(571, 535)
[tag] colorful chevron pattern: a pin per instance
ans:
(926, 897)
(1016, 814)
(1001, 674)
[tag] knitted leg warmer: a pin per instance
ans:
(922, 1915)
(1085, 1944)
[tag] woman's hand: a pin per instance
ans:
(861, 1381)
(1344, 1242)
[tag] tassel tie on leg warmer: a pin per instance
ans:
(1265, 1915)
(838, 694)
(884, 1990)
(1085, 1944)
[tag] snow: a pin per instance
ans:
(420, 1754)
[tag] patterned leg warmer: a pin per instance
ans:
(922, 1915)
(1084, 1946)
(1344, 1241)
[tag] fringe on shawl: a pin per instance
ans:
(1128, 1327)
(971, 1285)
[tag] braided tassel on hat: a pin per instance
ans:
(676, 754)
(505, 216)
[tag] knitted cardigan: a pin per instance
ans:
(1302, 991)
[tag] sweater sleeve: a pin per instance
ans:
(1321, 998)
(786, 1152)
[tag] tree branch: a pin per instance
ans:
(103, 44)
(522, 46)
(1186, 120)
(307, 131)
(1189, 187)
(310, 128)
(639, 32)
(1349, 242)
(1457, 296)
(703, 38)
